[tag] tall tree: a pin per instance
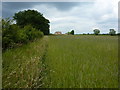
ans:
(96, 31)
(72, 32)
(112, 32)
(34, 18)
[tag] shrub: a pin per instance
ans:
(8, 35)
(7, 43)
(22, 37)
(13, 35)
(32, 33)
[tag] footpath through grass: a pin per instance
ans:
(22, 67)
(82, 62)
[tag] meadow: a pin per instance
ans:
(82, 62)
(66, 61)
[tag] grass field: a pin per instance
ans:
(78, 61)
(82, 62)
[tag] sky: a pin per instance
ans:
(82, 17)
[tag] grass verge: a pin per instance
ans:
(22, 67)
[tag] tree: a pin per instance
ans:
(34, 18)
(96, 31)
(112, 32)
(118, 33)
(13, 35)
(68, 33)
(72, 32)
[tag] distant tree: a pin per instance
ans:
(84, 34)
(96, 31)
(72, 32)
(68, 33)
(118, 33)
(34, 18)
(112, 32)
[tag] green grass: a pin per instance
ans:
(82, 62)
(66, 61)
(22, 67)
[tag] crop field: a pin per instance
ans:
(66, 61)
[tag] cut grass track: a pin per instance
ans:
(82, 62)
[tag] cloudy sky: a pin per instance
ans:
(82, 17)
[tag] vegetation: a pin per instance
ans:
(63, 61)
(34, 18)
(22, 67)
(29, 26)
(81, 62)
(71, 33)
(96, 31)
(87, 62)
(13, 35)
(112, 32)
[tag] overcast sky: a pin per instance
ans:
(82, 17)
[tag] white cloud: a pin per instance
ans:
(102, 14)
(106, 13)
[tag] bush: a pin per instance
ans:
(7, 43)
(13, 35)
(32, 33)
(8, 35)
(22, 37)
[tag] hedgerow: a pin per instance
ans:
(13, 35)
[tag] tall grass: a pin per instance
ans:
(22, 67)
(81, 62)
(77, 61)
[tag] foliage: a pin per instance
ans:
(34, 18)
(29, 33)
(68, 33)
(9, 33)
(71, 33)
(112, 32)
(84, 34)
(118, 33)
(96, 31)
(13, 35)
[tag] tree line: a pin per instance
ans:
(112, 32)
(26, 26)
